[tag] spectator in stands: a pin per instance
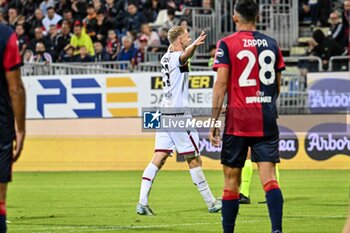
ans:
(44, 5)
(39, 37)
(50, 40)
(336, 30)
(163, 37)
(187, 16)
(324, 47)
(308, 9)
(68, 16)
(111, 10)
(4, 4)
(28, 8)
(90, 22)
(41, 56)
(212, 50)
(64, 37)
(192, 3)
(67, 55)
(127, 53)
(12, 17)
(103, 25)
(22, 20)
(177, 5)
(171, 19)
(23, 40)
(140, 52)
(36, 23)
(2, 16)
(207, 7)
(119, 22)
(134, 19)
(113, 45)
(100, 53)
(79, 9)
(80, 38)
(62, 5)
(28, 56)
(97, 4)
(51, 18)
(185, 23)
(346, 21)
(325, 8)
(150, 10)
(133, 35)
(83, 55)
(152, 36)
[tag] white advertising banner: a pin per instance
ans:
(107, 95)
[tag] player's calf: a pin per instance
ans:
(2, 217)
(230, 206)
(274, 201)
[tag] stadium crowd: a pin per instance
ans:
(122, 30)
(95, 30)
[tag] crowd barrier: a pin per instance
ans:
(72, 68)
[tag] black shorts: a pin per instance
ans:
(6, 162)
(235, 148)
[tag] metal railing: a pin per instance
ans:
(30, 69)
(34, 69)
(203, 22)
(278, 19)
(343, 63)
(293, 97)
(297, 59)
(148, 67)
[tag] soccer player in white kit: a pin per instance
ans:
(175, 101)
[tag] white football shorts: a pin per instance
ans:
(184, 142)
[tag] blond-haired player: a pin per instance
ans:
(175, 101)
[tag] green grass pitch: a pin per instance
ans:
(315, 201)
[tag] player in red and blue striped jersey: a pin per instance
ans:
(248, 65)
(12, 112)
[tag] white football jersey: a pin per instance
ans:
(175, 82)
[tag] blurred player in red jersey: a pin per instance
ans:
(12, 112)
(248, 65)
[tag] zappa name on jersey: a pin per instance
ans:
(254, 43)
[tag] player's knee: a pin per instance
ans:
(193, 161)
(271, 184)
(3, 188)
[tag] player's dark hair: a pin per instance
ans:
(248, 9)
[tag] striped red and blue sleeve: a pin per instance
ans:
(280, 62)
(11, 58)
(222, 56)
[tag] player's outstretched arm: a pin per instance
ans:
(219, 92)
(189, 51)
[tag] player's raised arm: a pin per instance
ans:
(189, 51)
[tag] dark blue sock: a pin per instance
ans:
(229, 211)
(2, 223)
(274, 201)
